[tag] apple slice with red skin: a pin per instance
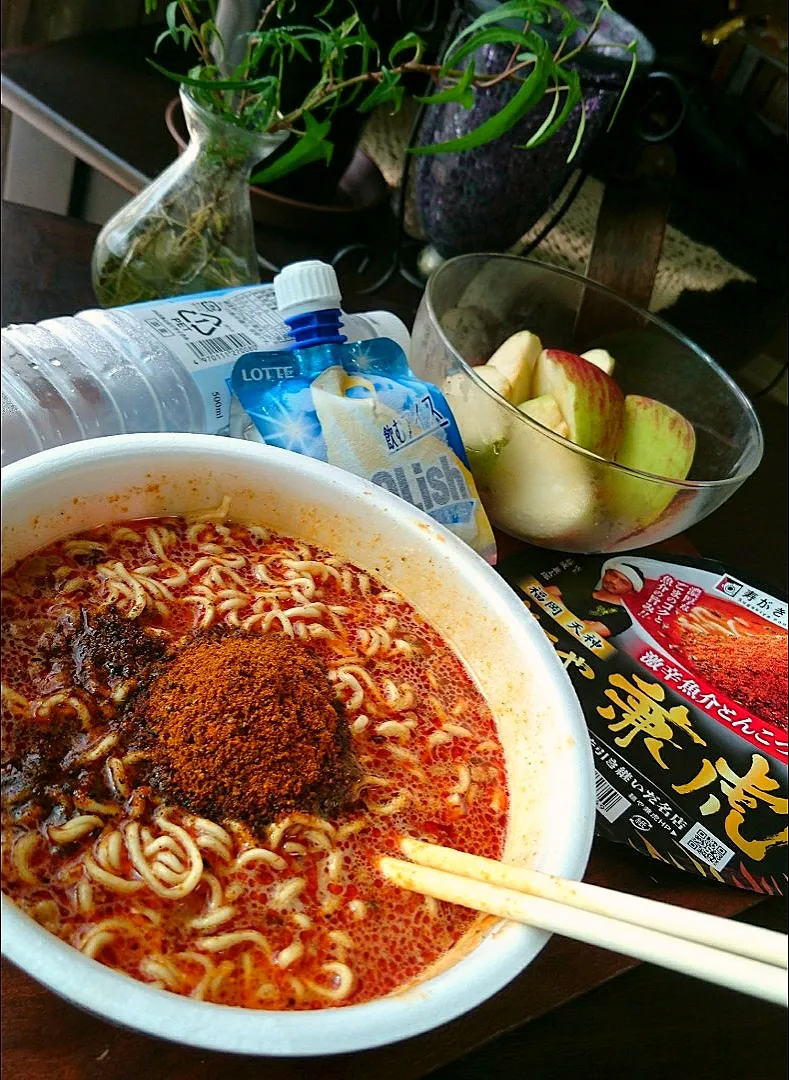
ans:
(590, 401)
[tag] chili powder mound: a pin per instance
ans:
(247, 727)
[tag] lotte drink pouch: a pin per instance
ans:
(681, 670)
(358, 406)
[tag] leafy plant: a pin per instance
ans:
(188, 232)
(350, 71)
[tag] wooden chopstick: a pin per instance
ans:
(745, 958)
(752, 941)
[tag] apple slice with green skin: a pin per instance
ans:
(483, 422)
(516, 360)
(590, 401)
(545, 410)
(601, 358)
(655, 439)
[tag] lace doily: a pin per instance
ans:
(684, 264)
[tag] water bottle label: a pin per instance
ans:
(207, 332)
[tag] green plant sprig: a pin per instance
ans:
(350, 72)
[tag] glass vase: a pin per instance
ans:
(191, 230)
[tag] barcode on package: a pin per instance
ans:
(609, 801)
(222, 346)
(706, 847)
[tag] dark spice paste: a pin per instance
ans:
(97, 652)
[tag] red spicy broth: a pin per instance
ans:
(289, 914)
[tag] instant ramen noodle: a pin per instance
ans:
(211, 733)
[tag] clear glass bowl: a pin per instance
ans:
(537, 485)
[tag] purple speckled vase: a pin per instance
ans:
(485, 199)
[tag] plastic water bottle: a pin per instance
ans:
(157, 366)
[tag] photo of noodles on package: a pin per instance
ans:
(681, 669)
(358, 406)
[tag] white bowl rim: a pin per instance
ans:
(118, 998)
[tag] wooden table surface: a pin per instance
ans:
(45, 273)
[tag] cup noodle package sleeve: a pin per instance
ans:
(681, 669)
